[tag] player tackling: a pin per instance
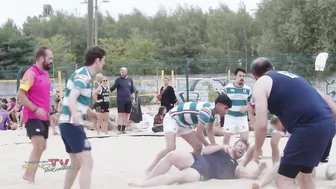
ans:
(305, 113)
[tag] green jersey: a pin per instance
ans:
(190, 113)
(81, 80)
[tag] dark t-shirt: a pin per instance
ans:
(125, 88)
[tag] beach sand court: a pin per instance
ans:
(117, 161)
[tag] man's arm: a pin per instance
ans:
(212, 149)
(330, 102)
(115, 85)
(204, 118)
(199, 133)
(243, 172)
(260, 97)
(25, 84)
(132, 89)
(80, 82)
(211, 133)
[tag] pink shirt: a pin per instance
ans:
(38, 93)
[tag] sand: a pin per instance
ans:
(117, 161)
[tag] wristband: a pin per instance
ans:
(36, 108)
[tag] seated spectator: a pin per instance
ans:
(158, 120)
(11, 108)
(19, 113)
(4, 118)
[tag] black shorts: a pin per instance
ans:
(37, 127)
(202, 166)
(104, 107)
(124, 106)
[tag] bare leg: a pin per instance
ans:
(267, 178)
(275, 147)
(71, 174)
(180, 160)
(227, 138)
(244, 135)
(185, 176)
(106, 119)
(248, 156)
(283, 182)
(39, 144)
(306, 181)
(170, 138)
(85, 172)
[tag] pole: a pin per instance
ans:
(245, 50)
(187, 77)
(90, 24)
(96, 23)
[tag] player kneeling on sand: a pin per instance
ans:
(216, 162)
(183, 119)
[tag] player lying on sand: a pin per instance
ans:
(216, 162)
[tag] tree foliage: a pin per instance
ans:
(215, 37)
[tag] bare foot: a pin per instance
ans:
(255, 186)
(30, 180)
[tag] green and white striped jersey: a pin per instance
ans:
(80, 79)
(240, 96)
(188, 114)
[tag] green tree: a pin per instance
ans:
(63, 58)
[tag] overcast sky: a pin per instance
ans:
(18, 10)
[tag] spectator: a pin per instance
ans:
(4, 117)
(167, 95)
(11, 108)
(125, 97)
(158, 120)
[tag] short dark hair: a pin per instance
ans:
(92, 53)
(260, 66)
(41, 52)
(4, 101)
(13, 99)
(4, 107)
(239, 70)
(243, 141)
(161, 109)
(223, 99)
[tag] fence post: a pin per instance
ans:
(172, 79)
(18, 77)
(59, 73)
(189, 61)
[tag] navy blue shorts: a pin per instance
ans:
(201, 165)
(74, 138)
(310, 144)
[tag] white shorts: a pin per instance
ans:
(235, 125)
(171, 125)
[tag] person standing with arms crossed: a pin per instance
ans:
(236, 121)
(125, 98)
(75, 106)
(34, 94)
(304, 112)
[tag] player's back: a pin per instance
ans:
(295, 101)
(187, 113)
